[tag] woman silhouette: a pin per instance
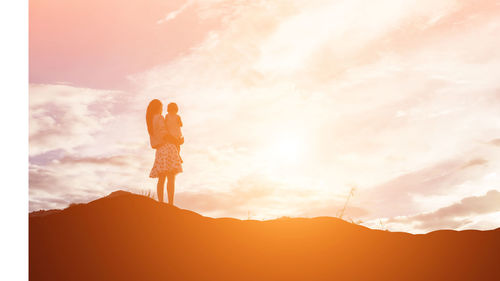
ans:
(167, 160)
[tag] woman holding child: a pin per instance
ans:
(165, 137)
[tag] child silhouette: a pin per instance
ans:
(174, 123)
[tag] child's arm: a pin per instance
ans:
(167, 137)
(181, 141)
(180, 121)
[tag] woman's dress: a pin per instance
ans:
(167, 159)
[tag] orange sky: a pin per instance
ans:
(286, 106)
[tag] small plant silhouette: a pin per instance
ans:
(147, 193)
(358, 222)
(351, 193)
(382, 225)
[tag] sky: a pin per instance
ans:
(287, 106)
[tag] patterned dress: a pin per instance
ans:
(167, 159)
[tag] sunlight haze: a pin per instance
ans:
(286, 106)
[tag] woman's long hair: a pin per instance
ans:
(155, 107)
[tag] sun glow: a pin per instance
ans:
(286, 150)
(283, 153)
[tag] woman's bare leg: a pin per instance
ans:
(159, 187)
(171, 188)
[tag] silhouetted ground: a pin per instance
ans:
(132, 237)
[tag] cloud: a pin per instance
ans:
(263, 198)
(475, 162)
(65, 117)
(78, 179)
(241, 196)
(413, 192)
(172, 15)
(117, 39)
(495, 142)
(455, 215)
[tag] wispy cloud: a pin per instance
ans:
(81, 179)
(65, 117)
(456, 215)
(173, 14)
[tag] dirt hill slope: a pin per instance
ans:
(132, 237)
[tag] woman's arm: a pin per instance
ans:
(171, 139)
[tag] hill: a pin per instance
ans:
(132, 237)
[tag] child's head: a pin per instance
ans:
(172, 108)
